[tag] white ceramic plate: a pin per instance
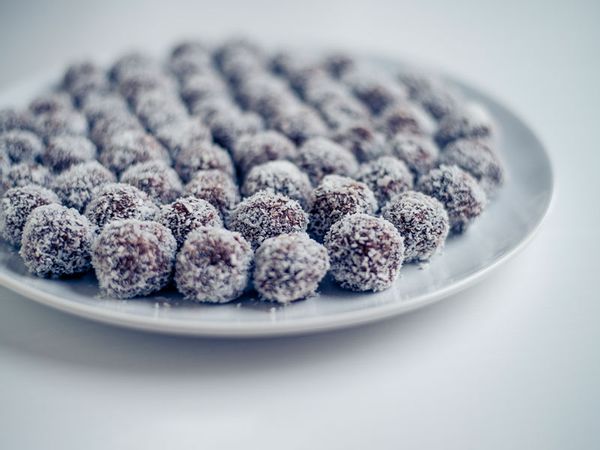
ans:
(509, 222)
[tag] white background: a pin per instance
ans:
(513, 363)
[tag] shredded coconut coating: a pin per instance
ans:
(337, 197)
(56, 242)
(479, 159)
(21, 145)
(319, 157)
(404, 117)
(299, 123)
(217, 188)
(25, 173)
(75, 186)
(279, 177)
(116, 201)
(157, 109)
(366, 252)
(422, 221)
(289, 267)
(213, 265)
(186, 214)
(470, 122)
(362, 140)
(458, 191)
(227, 126)
(100, 105)
(266, 215)
(107, 128)
(376, 90)
(65, 151)
(50, 102)
(132, 61)
(130, 147)
(386, 177)
(155, 178)
(61, 122)
(182, 134)
(133, 258)
(15, 207)
(252, 150)
(203, 156)
(13, 119)
(418, 152)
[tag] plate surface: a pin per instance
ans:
(508, 223)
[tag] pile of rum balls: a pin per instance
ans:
(225, 168)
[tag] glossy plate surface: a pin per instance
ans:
(509, 222)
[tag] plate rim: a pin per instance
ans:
(307, 325)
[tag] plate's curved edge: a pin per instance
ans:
(296, 326)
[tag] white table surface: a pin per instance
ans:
(513, 363)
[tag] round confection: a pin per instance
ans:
(439, 101)
(75, 186)
(65, 151)
(337, 197)
(50, 102)
(471, 122)
(130, 147)
(458, 191)
(202, 156)
(227, 126)
(213, 265)
(157, 109)
(252, 150)
(418, 152)
(12, 119)
(56, 242)
(320, 156)
(21, 145)
(133, 258)
(375, 90)
(61, 122)
(281, 177)
(289, 267)
(115, 201)
(79, 72)
(404, 118)
(15, 207)
(178, 135)
(132, 61)
(199, 87)
(365, 252)
(107, 127)
(25, 173)
(100, 105)
(186, 214)
(139, 83)
(422, 221)
(217, 188)
(299, 123)
(155, 178)
(342, 111)
(361, 140)
(479, 160)
(265, 215)
(386, 177)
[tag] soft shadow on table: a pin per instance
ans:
(35, 331)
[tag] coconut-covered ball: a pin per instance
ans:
(25, 173)
(182, 134)
(56, 241)
(217, 188)
(75, 186)
(458, 191)
(15, 207)
(202, 156)
(115, 201)
(319, 157)
(186, 214)
(213, 265)
(228, 125)
(105, 128)
(299, 123)
(280, 177)
(61, 122)
(64, 151)
(13, 119)
(337, 197)
(477, 158)
(155, 178)
(422, 221)
(252, 150)
(265, 215)
(21, 145)
(130, 147)
(386, 176)
(471, 122)
(418, 152)
(365, 252)
(404, 118)
(50, 102)
(289, 267)
(133, 258)
(364, 142)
